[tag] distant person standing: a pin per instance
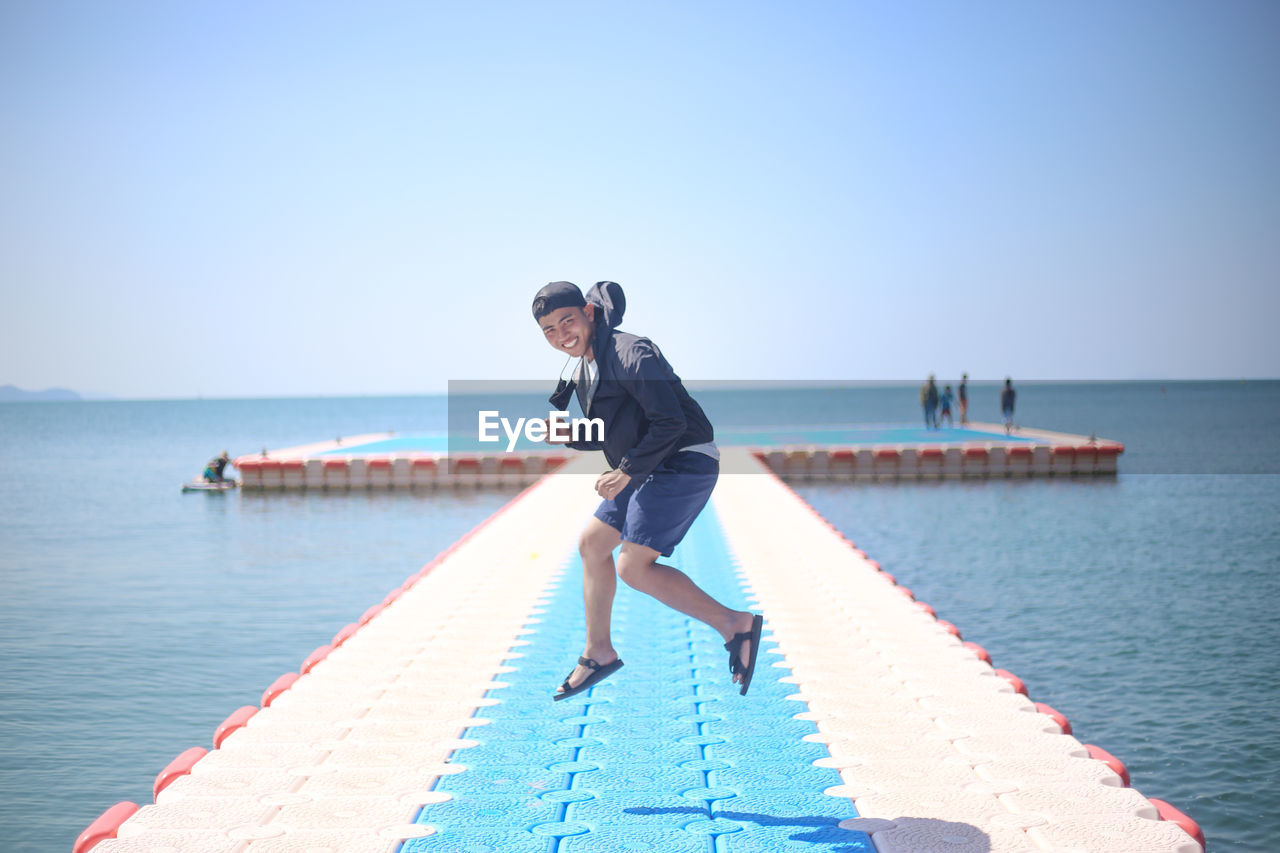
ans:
(964, 399)
(946, 399)
(1007, 398)
(929, 400)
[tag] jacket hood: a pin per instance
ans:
(610, 303)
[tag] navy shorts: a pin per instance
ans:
(660, 511)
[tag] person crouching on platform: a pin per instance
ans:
(663, 465)
(213, 470)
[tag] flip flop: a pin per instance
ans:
(735, 645)
(598, 673)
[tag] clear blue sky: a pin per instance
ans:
(287, 198)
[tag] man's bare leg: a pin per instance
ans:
(599, 582)
(639, 568)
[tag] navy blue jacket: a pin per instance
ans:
(648, 415)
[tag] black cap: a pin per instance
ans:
(557, 294)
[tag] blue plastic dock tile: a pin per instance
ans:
(794, 837)
(517, 752)
(515, 728)
(663, 756)
(785, 804)
(649, 779)
(631, 749)
(515, 779)
(660, 730)
(745, 751)
(482, 840)
(634, 839)
(771, 775)
(630, 809)
(492, 810)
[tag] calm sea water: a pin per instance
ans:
(134, 618)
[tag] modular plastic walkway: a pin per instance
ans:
(869, 727)
(864, 452)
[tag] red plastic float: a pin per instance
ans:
(888, 453)
(277, 687)
(105, 827)
(1008, 676)
(314, 658)
(950, 628)
(981, 653)
(393, 595)
(1171, 814)
(371, 612)
(380, 462)
(907, 592)
(927, 608)
(1057, 716)
(236, 721)
(344, 635)
(1117, 766)
(179, 767)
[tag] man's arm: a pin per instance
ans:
(586, 444)
(651, 383)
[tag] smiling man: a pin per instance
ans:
(663, 465)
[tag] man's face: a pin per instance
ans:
(569, 329)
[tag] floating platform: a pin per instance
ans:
(428, 723)
(845, 453)
(390, 461)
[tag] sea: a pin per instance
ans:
(134, 618)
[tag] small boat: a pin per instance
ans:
(206, 486)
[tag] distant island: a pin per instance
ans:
(14, 394)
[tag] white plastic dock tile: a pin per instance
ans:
(937, 750)
(344, 759)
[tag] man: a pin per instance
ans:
(1007, 399)
(929, 400)
(663, 465)
(964, 399)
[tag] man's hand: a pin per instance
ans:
(548, 439)
(610, 483)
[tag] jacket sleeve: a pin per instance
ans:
(583, 445)
(651, 383)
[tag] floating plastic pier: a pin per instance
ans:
(428, 724)
(861, 453)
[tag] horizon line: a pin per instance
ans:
(522, 386)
